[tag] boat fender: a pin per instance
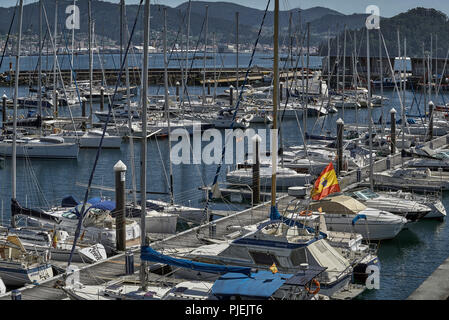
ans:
(317, 285)
(306, 213)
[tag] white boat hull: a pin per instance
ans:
(46, 151)
(14, 274)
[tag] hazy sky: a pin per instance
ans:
(388, 8)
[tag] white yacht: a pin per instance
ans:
(410, 209)
(49, 147)
(413, 178)
(433, 201)
(343, 213)
(90, 139)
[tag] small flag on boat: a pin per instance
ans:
(55, 240)
(273, 268)
(326, 183)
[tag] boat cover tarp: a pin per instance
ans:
(97, 203)
(262, 284)
(149, 254)
(276, 217)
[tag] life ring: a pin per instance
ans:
(388, 138)
(307, 213)
(317, 285)
(56, 130)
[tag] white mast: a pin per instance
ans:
(124, 26)
(39, 76)
(204, 58)
(143, 162)
(73, 43)
(370, 115)
(167, 105)
(55, 82)
(16, 93)
(90, 63)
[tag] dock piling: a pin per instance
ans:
(393, 131)
(120, 199)
(102, 99)
(430, 134)
(340, 130)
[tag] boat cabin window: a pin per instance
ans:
(298, 256)
(442, 155)
(264, 258)
(70, 215)
(366, 194)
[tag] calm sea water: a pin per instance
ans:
(112, 61)
(406, 260)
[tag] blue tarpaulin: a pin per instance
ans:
(262, 284)
(148, 254)
(97, 203)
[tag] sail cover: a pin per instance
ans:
(148, 254)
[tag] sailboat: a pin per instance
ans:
(19, 266)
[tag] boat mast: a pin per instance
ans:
(128, 101)
(55, 81)
(204, 57)
(381, 73)
(370, 112)
(167, 106)
(73, 42)
(16, 93)
(237, 53)
(274, 131)
(143, 162)
(39, 76)
(344, 73)
(90, 62)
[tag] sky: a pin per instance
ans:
(388, 8)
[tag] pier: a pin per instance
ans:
(220, 76)
(436, 287)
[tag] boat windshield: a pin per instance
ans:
(442, 155)
(366, 194)
(70, 215)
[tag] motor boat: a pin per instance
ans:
(343, 213)
(410, 209)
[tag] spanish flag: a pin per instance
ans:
(326, 184)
